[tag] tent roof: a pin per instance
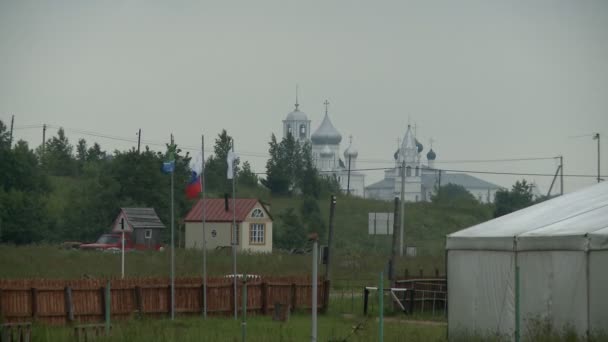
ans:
(575, 221)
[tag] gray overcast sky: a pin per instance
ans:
(485, 79)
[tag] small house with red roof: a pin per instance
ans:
(253, 221)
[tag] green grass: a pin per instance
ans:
(259, 328)
(350, 270)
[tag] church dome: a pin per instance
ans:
(326, 134)
(297, 115)
(351, 151)
(431, 155)
(419, 146)
(326, 152)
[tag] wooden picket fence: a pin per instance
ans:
(84, 301)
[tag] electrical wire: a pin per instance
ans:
(266, 155)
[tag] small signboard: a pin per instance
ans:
(380, 223)
(411, 251)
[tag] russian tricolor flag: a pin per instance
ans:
(194, 186)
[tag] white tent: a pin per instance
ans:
(548, 262)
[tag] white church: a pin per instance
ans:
(325, 143)
(422, 180)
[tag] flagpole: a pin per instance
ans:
(203, 182)
(235, 237)
(172, 248)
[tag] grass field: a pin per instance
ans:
(49, 261)
(331, 328)
(345, 310)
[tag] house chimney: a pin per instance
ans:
(226, 202)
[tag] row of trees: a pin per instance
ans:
(61, 192)
(290, 171)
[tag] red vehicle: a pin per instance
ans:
(110, 242)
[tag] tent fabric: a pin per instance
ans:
(553, 288)
(568, 215)
(559, 249)
(598, 298)
(481, 291)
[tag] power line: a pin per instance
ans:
(147, 142)
(454, 161)
(265, 155)
(471, 171)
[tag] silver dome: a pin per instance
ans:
(326, 134)
(297, 115)
(351, 151)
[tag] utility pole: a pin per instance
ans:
(315, 265)
(235, 236)
(203, 219)
(391, 271)
(172, 247)
(597, 137)
(348, 178)
(402, 207)
(138, 140)
(561, 176)
(439, 178)
(332, 209)
(10, 145)
(43, 138)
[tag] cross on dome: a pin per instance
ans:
(297, 104)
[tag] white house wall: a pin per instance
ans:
(218, 234)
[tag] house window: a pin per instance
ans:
(417, 170)
(302, 131)
(257, 233)
(408, 171)
(148, 233)
(257, 213)
(288, 129)
(416, 198)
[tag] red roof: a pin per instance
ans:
(215, 210)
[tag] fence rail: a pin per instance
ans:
(84, 301)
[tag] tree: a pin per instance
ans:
(277, 175)
(309, 182)
(311, 216)
(452, 194)
(23, 190)
(519, 197)
(290, 232)
(329, 185)
(5, 136)
(58, 158)
(216, 166)
(95, 153)
(81, 154)
(247, 176)
(285, 167)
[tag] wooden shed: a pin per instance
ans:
(143, 223)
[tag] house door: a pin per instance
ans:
(148, 238)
